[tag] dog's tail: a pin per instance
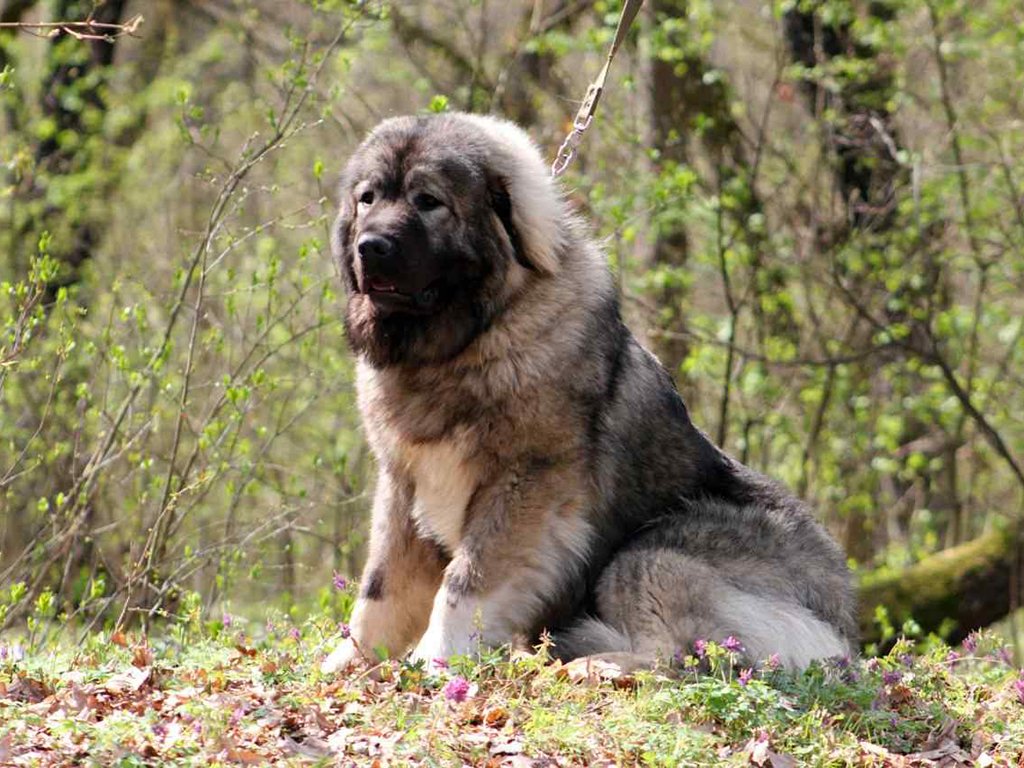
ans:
(587, 637)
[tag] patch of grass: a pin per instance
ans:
(219, 695)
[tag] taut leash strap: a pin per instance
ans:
(585, 115)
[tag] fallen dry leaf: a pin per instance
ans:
(593, 670)
(757, 751)
(129, 681)
(244, 756)
(142, 656)
(510, 747)
(495, 716)
(27, 690)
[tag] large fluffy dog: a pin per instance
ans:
(537, 468)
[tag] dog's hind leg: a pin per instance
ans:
(658, 601)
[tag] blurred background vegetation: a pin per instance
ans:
(814, 209)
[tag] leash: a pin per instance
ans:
(585, 115)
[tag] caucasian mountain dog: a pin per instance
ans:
(537, 468)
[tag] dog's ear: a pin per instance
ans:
(501, 203)
(533, 241)
(341, 238)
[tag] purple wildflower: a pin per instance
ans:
(971, 642)
(733, 644)
(1018, 688)
(159, 729)
(439, 663)
(745, 676)
(1004, 655)
(774, 661)
(872, 665)
(891, 676)
(197, 728)
(841, 662)
(339, 581)
(295, 634)
(907, 660)
(700, 648)
(3, 653)
(952, 658)
(456, 689)
(226, 620)
(345, 630)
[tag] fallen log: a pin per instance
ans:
(951, 593)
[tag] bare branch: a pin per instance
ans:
(88, 29)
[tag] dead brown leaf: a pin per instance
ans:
(495, 716)
(245, 756)
(27, 690)
(142, 656)
(129, 681)
(593, 670)
(757, 751)
(510, 747)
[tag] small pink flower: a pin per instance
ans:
(700, 648)
(345, 630)
(774, 661)
(891, 676)
(339, 581)
(745, 676)
(732, 644)
(295, 634)
(439, 663)
(456, 689)
(971, 642)
(226, 620)
(1018, 688)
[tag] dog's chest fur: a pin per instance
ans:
(414, 442)
(444, 482)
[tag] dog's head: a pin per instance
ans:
(442, 220)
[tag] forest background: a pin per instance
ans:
(814, 211)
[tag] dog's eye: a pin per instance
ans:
(425, 202)
(366, 198)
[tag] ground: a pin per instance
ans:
(212, 695)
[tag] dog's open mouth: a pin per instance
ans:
(386, 295)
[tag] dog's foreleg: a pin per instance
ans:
(401, 577)
(524, 539)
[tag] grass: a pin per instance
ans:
(198, 695)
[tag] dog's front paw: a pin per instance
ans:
(344, 656)
(430, 647)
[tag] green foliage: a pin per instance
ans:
(826, 253)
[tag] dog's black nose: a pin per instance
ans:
(376, 248)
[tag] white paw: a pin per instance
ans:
(345, 655)
(431, 646)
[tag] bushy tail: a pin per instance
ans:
(588, 637)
